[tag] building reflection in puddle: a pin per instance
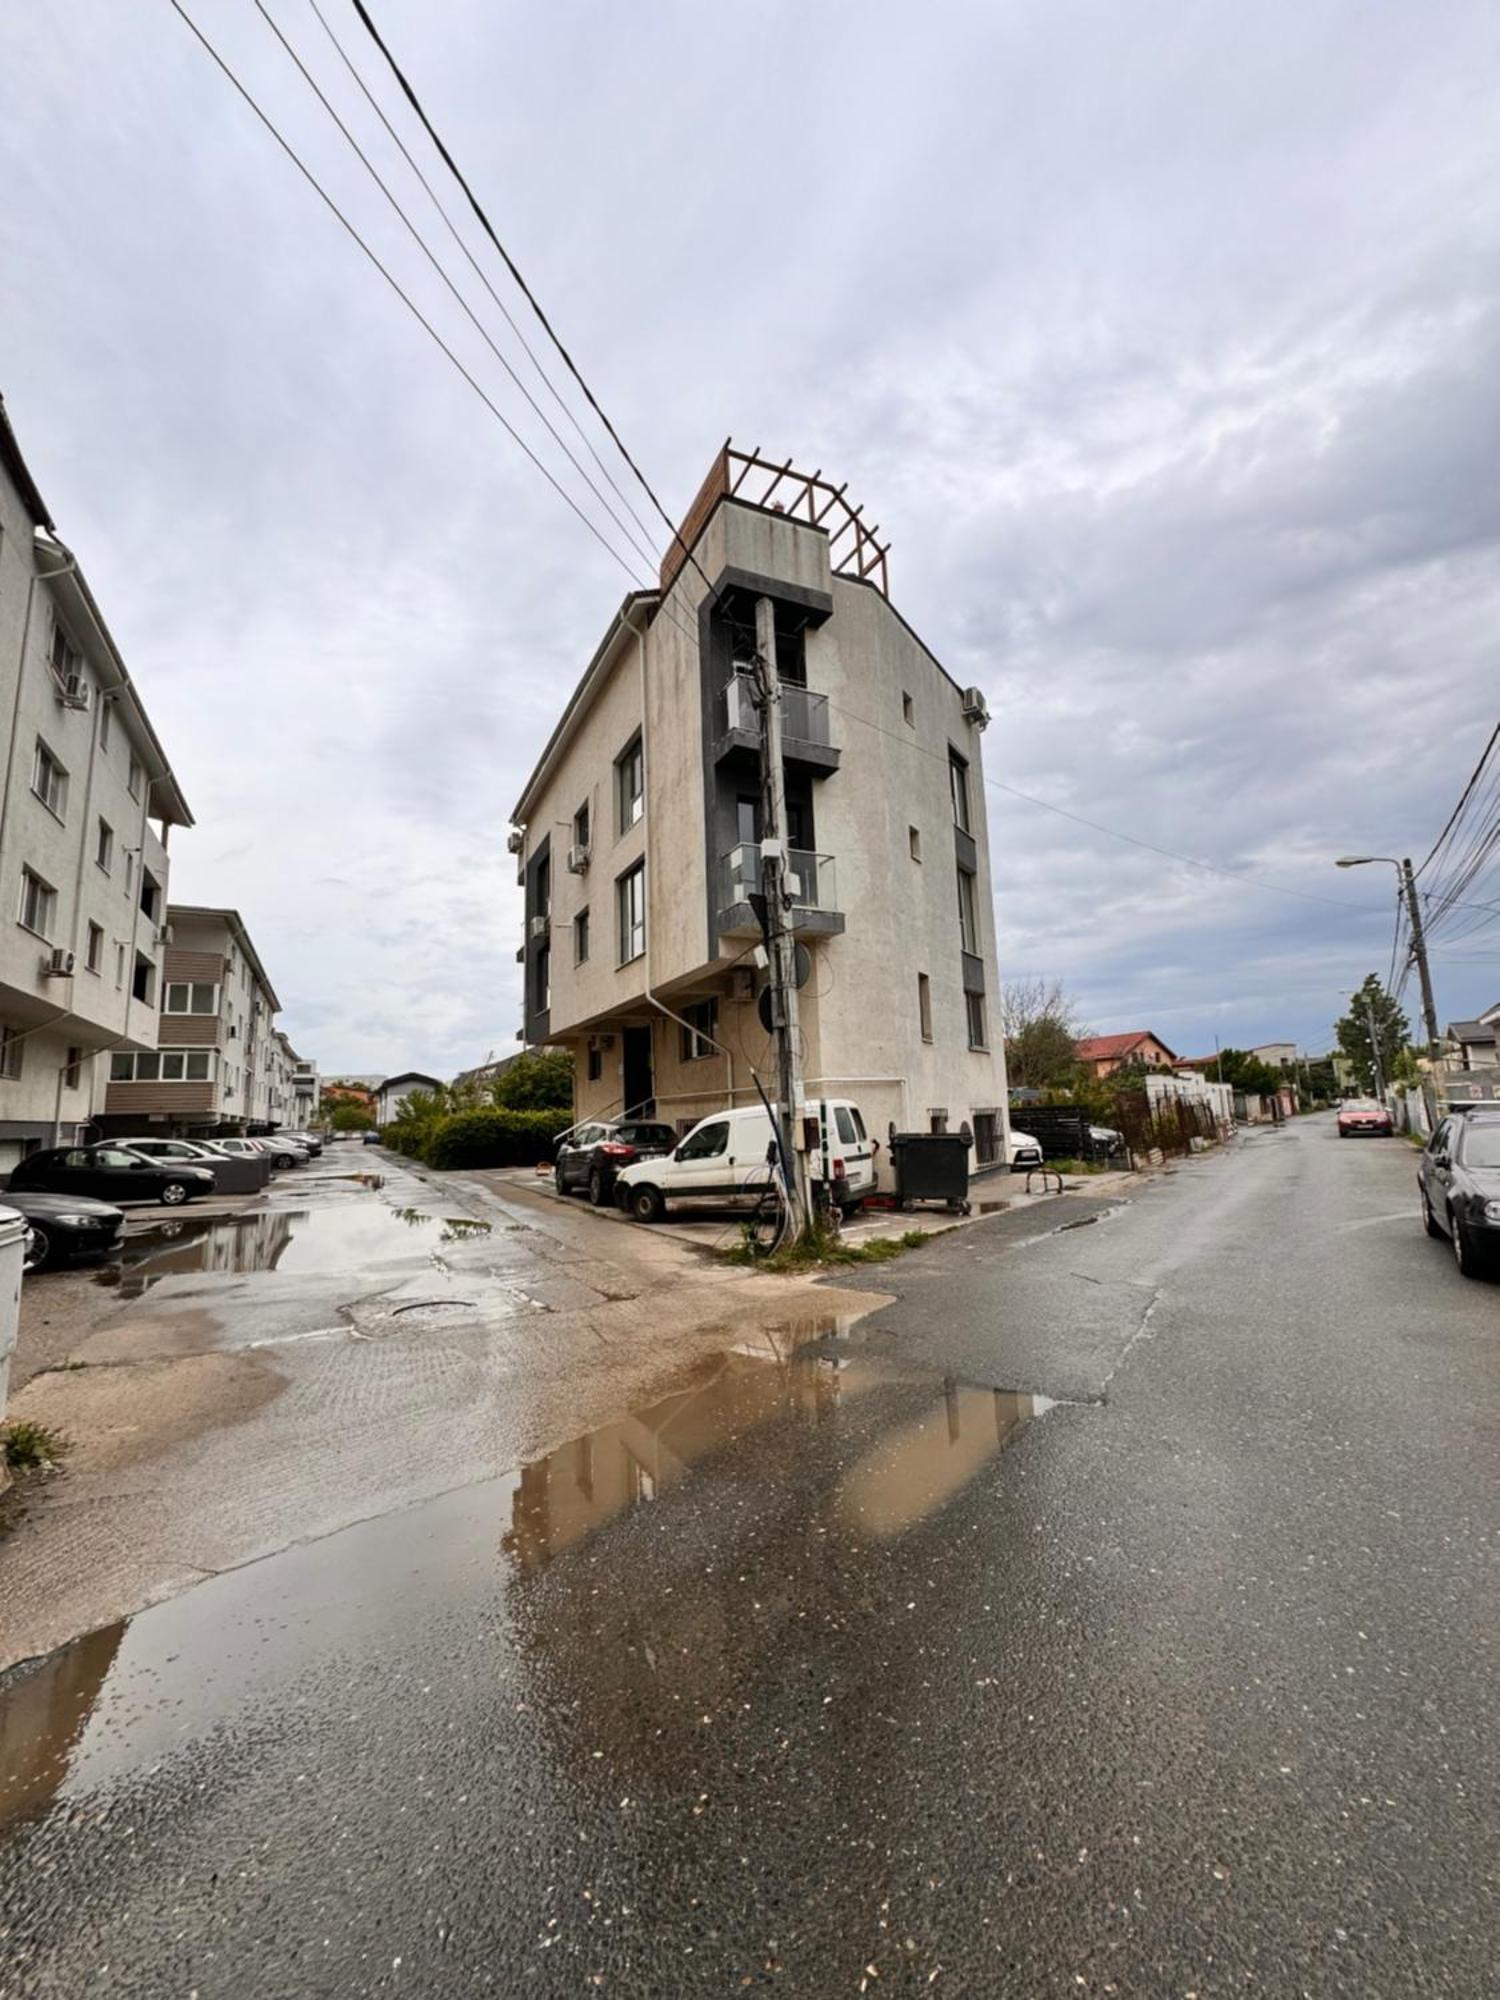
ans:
(910, 1471)
(44, 1714)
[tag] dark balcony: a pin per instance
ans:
(809, 877)
(806, 736)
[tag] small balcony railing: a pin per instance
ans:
(808, 878)
(804, 715)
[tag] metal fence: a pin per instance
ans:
(1172, 1127)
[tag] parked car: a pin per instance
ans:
(591, 1155)
(65, 1229)
(724, 1161)
(371, 1138)
(282, 1152)
(191, 1152)
(110, 1173)
(310, 1140)
(1459, 1180)
(1362, 1117)
(1025, 1152)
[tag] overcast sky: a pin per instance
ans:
(1162, 340)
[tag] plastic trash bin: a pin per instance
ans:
(931, 1166)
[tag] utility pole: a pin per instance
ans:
(781, 946)
(1419, 953)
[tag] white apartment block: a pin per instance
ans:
(86, 802)
(639, 836)
(218, 1062)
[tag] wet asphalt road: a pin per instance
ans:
(857, 1665)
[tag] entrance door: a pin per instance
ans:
(639, 1100)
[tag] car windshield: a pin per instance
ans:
(1482, 1144)
(646, 1135)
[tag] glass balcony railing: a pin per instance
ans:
(804, 715)
(809, 878)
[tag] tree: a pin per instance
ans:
(352, 1118)
(1041, 1030)
(1247, 1073)
(538, 1080)
(1392, 1033)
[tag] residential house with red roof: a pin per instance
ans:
(1104, 1054)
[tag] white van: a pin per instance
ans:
(724, 1161)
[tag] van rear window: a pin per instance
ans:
(845, 1126)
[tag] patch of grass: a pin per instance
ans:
(820, 1247)
(1081, 1167)
(29, 1445)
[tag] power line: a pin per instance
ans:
(475, 265)
(422, 245)
(411, 306)
(484, 222)
(1464, 796)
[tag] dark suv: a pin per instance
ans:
(1459, 1180)
(592, 1154)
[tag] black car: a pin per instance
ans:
(591, 1155)
(111, 1173)
(1459, 1179)
(65, 1228)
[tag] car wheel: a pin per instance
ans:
(39, 1250)
(174, 1193)
(646, 1204)
(598, 1190)
(1429, 1221)
(557, 1179)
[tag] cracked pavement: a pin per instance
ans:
(829, 1665)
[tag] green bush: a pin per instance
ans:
(492, 1138)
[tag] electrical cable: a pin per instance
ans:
(475, 266)
(415, 310)
(1463, 797)
(416, 235)
(484, 222)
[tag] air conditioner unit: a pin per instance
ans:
(976, 709)
(164, 935)
(60, 964)
(744, 983)
(578, 860)
(515, 840)
(73, 691)
(539, 927)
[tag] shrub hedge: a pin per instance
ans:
(491, 1138)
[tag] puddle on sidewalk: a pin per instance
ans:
(777, 1451)
(299, 1241)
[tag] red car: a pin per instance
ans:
(1362, 1117)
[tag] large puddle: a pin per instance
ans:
(357, 1237)
(758, 1454)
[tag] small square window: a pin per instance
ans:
(702, 1026)
(908, 711)
(914, 840)
(121, 1069)
(974, 1007)
(95, 955)
(104, 846)
(136, 778)
(49, 780)
(12, 1053)
(38, 910)
(630, 784)
(595, 1065)
(581, 937)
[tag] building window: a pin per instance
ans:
(974, 1008)
(150, 897)
(38, 904)
(119, 965)
(701, 1026)
(129, 870)
(163, 1066)
(183, 998)
(95, 950)
(541, 973)
(104, 846)
(986, 1138)
(12, 1051)
(136, 778)
(64, 657)
(49, 780)
(958, 787)
(106, 719)
(914, 841)
(630, 901)
(968, 921)
(541, 888)
(581, 937)
(630, 784)
(924, 1005)
(908, 711)
(581, 827)
(595, 1064)
(72, 1069)
(143, 981)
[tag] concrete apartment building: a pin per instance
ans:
(217, 1064)
(638, 835)
(87, 800)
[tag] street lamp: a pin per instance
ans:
(1407, 883)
